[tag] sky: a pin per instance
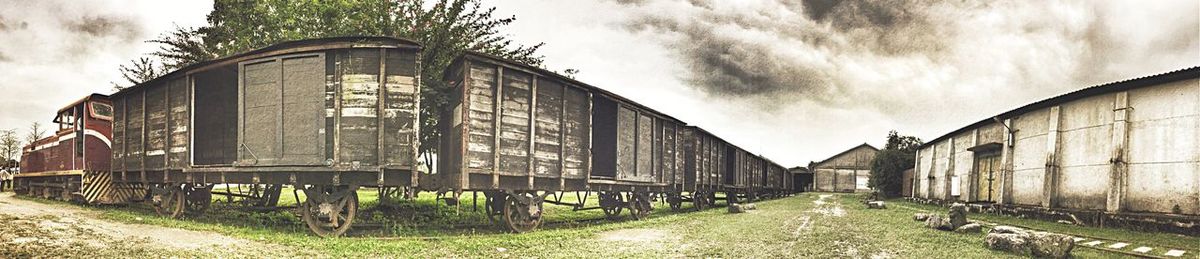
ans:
(794, 81)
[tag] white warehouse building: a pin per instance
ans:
(1123, 153)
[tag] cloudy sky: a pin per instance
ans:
(794, 81)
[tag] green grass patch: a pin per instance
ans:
(806, 225)
(1125, 235)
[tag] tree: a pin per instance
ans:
(445, 29)
(888, 167)
(139, 70)
(36, 132)
(10, 149)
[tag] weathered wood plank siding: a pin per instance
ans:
(577, 122)
(645, 150)
(515, 105)
(548, 129)
(178, 124)
(510, 121)
(358, 140)
(481, 117)
(688, 144)
(156, 128)
(134, 131)
(118, 137)
(400, 108)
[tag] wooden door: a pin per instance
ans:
(987, 169)
(282, 111)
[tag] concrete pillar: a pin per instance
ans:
(949, 171)
(916, 174)
(930, 178)
(1050, 178)
(1006, 169)
(1120, 140)
(969, 193)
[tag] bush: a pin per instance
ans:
(887, 170)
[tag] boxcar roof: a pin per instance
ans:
(299, 45)
(475, 55)
(1123, 85)
(706, 132)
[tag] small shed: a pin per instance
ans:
(802, 179)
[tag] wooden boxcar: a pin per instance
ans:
(324, 115)
(714, 166)
(705, 166)
(519, 133)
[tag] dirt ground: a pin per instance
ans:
(37, 229)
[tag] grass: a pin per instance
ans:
(1154, 239)
(802, 226)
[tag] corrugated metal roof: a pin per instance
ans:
(1123, 85)
(846, 151)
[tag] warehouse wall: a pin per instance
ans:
(844, 172)
(1134, 150)
(1085, 148)
(1164, 153)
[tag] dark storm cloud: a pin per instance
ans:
(105, 26)
(878, 53)
(728, 65)
(10, 25)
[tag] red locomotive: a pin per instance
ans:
(73, 163)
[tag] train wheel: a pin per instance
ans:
(199, 197)
(523, 212)
(493, 206)
(46, 193)
(66, 194)
(329, 210)
(675, 200)
(611, 204)
(700, 201)
(639, 205)
(169, 201)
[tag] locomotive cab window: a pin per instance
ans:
(102, 111)
(65, 120)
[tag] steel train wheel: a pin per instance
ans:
(199, 197)
(494, 203)
(639, 205)
(675, 200)
(329, 210)
(523, 212)
(611, 204)
(169, 201)
(699, 201)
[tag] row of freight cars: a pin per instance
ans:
(327, 116)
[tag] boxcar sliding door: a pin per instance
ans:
(281, 102)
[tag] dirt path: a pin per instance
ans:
(33, 228)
